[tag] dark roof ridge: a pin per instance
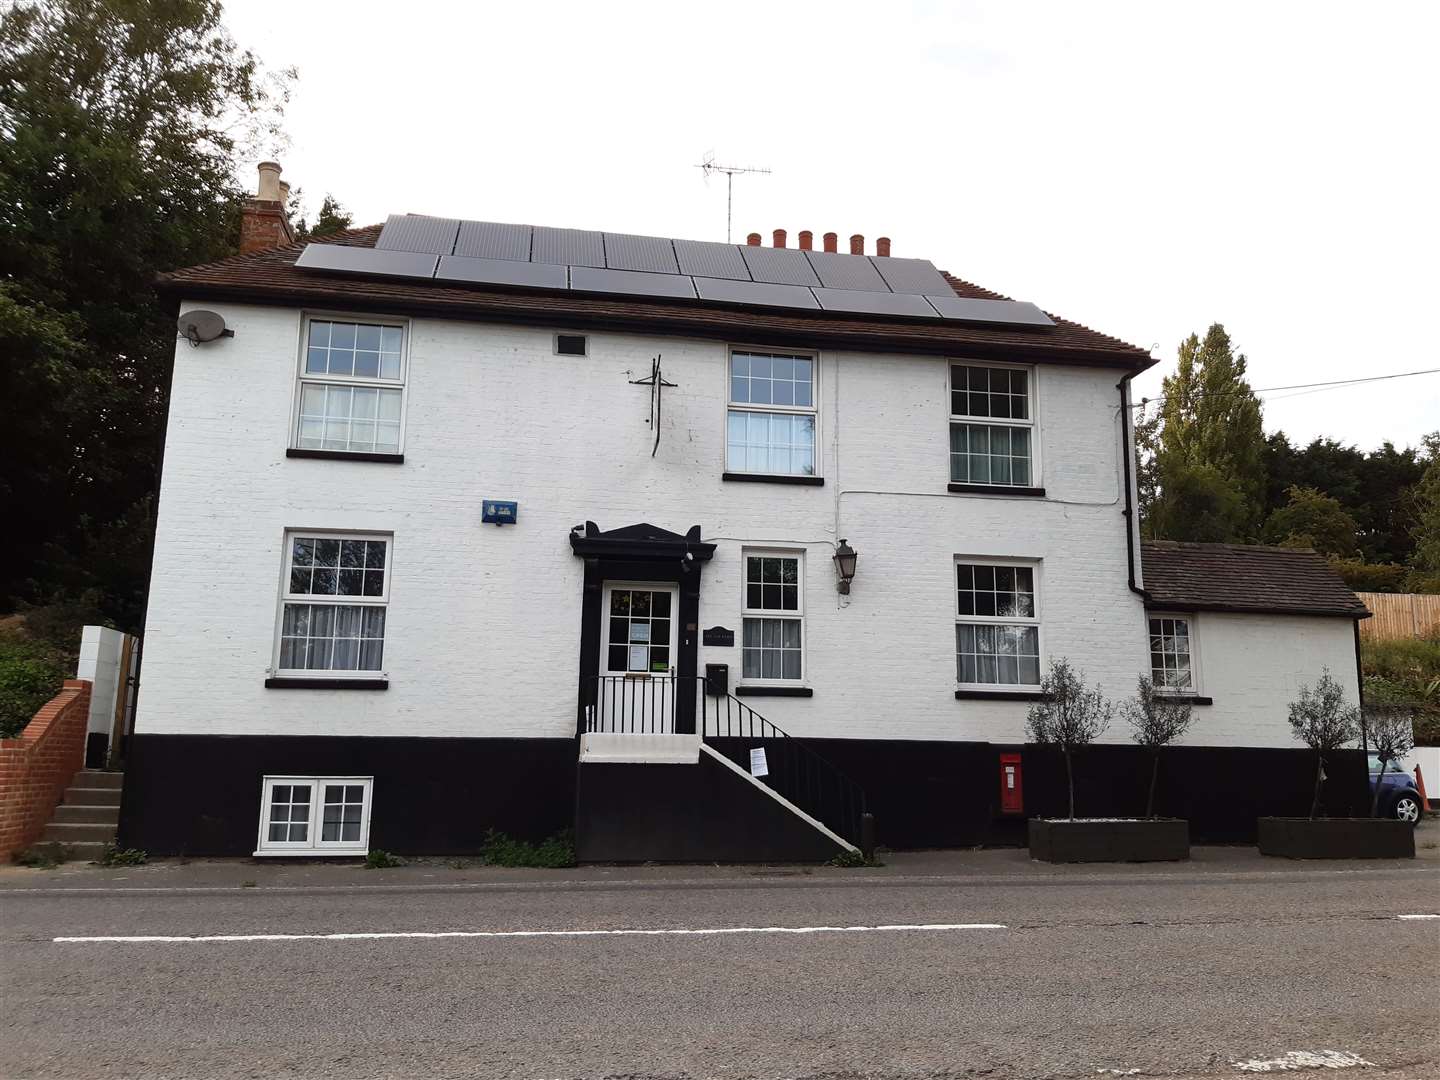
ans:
(1217, 545)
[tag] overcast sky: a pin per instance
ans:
(1145, 169)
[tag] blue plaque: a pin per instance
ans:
(495, 512)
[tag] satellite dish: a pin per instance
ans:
(200, 326)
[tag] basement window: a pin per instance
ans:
(315, 815)
(570, 344)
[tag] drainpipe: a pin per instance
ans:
(1129, 512)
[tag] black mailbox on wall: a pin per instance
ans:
(717, 679)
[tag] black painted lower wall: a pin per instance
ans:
(687, 813)
(200, 795)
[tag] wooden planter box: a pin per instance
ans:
(1336, 838)
(1098, 840)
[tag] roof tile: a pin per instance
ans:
(1239, 577)
(271, 276)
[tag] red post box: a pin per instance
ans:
(1012, 788)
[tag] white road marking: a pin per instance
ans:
(168, 939)
(1305, 1059)
(1417, 916)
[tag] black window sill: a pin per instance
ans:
(1193, 699)
(346, 455)
(774, 691)
(766, 478)
(995, 489)
(999, 695)
(326, 684)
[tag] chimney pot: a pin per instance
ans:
(857, 245)
(263, 221)
(882, 247)
(753, 240)
(807, 239)
(779, 235)
(832, 241)
(269, 185)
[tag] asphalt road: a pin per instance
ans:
(1110, 973)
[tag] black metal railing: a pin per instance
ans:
(669, 704)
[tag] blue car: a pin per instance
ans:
(1399, 797)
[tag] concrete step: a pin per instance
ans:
(92, 796)
(76, 814)
(98, 778)
(73, 850)
(71, 833)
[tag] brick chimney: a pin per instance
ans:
(857, 245)
(832, 241)
(779, 236)
(753, 240)
(882, 247)
(807, 239)
(263, 222)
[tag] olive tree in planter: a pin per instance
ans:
(1070, 717)
(1390, 733)
(1323, 720)
(1156, 720)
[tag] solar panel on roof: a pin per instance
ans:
(573, 247)
(630, 282)
(755, 292)
(650, 253)
(1008, 312)
(912, 276)
(704, 258)
(492, 240)
(501, 272)
(779, 266)
(416, 232)
(838, 271)
(357, 260)
(874, 303)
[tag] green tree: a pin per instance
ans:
(1210, 451)
(1425, 562)
(1373, 487)
(1312, 519)
(331, 219)
(120, 122)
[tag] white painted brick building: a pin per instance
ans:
(463, 713)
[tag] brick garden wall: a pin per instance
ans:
(37, 767)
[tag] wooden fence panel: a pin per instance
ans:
(1400, 615)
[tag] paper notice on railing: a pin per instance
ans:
(757, 762)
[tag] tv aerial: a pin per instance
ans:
(710, 166)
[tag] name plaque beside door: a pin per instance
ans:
(718, 636)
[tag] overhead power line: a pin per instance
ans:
(1332, 384)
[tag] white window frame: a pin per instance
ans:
(1036, 566)
(812, 410)
(797, 615)
(287, 597)
(1195, 689)
(1032, 382)
(314, 845)
(304, 378)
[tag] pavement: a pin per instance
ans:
(937, 964)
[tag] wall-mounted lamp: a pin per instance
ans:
(845, 565)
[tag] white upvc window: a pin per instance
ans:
(314, 815)
(352, 386)
(997, 624)
(333, 604)
(770, 421)
(1174, 663)
(992, 425)
(772, 646)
